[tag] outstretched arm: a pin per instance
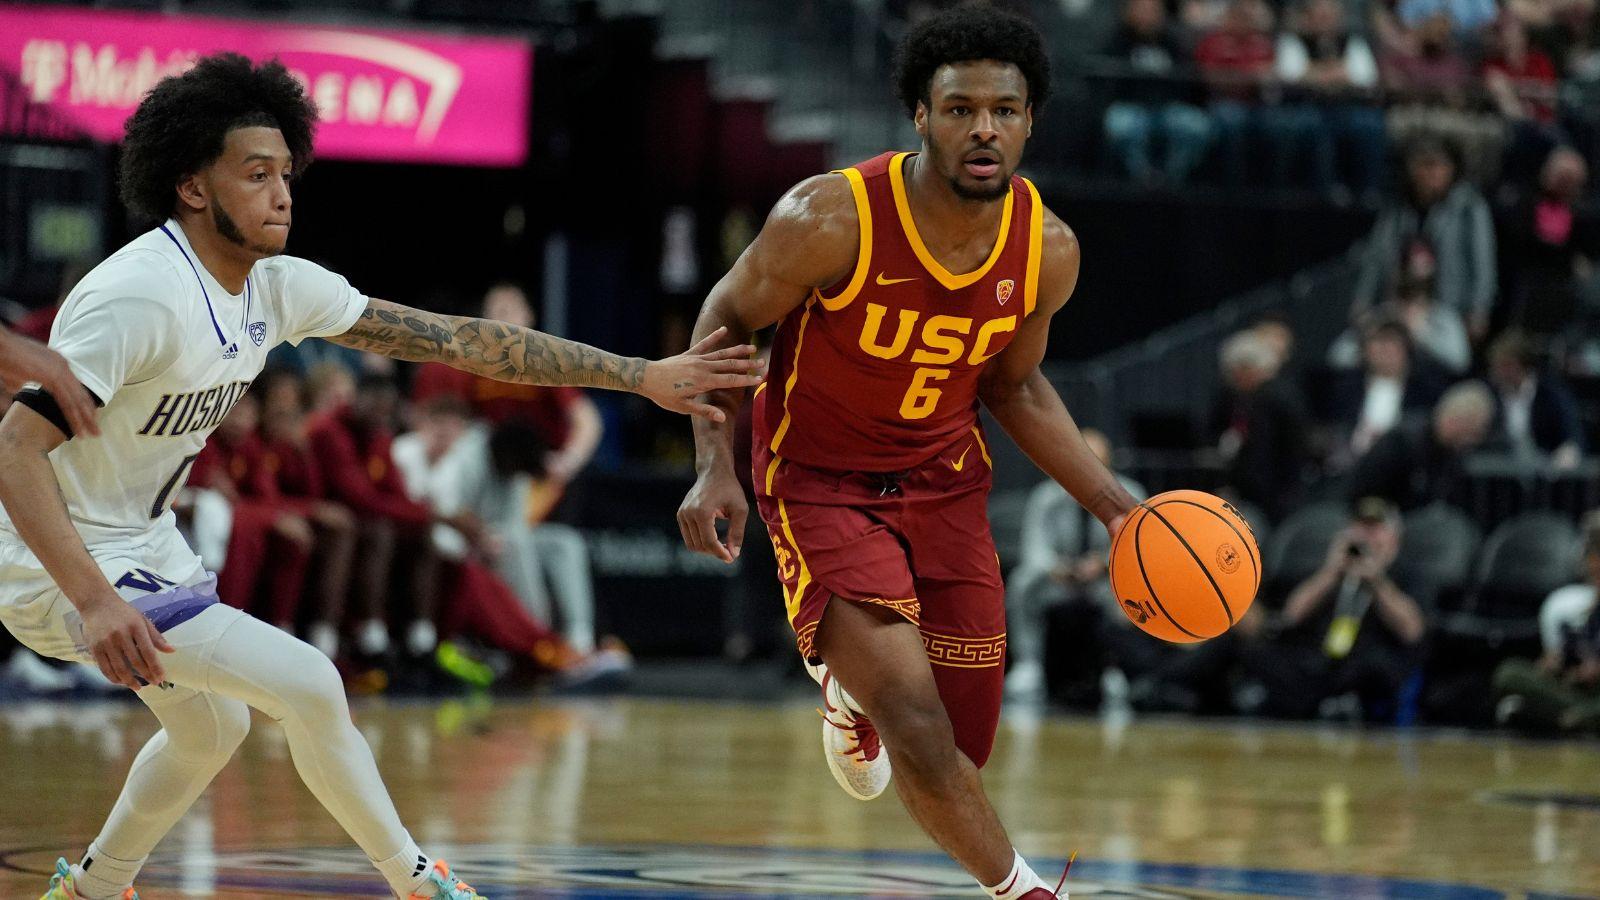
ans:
(1027, 405)
(512, 353)
(23, 360)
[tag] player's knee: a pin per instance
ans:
(313, 690)
(919, 737)
(233, 726)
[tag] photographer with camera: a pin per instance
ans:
(1347, 639)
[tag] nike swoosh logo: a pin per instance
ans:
(963, 460)
(888, 281)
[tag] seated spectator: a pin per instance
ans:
(1259, 424)
(296, 474)
(1277, 331)
(1561, 691)
(1551, 245)
(445, 464)
(1331, 76)
(1390, 385)
(1235, 61)
(1522, 81)
(1353, 631)
(1434, 93)
(1535, 415)
(1448, 220)
(1418, 463)
(353, 442)
(263, 527)
(1155, 109)
(1063, 562)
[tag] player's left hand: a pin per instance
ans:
(677, 382)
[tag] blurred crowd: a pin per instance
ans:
(1315, 92)
(1390, 589)
(402, 519)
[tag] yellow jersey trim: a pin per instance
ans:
(791, 601)
(1030, 292)
(982, 447)
(897, 182)
(788, 388)
(858, 186)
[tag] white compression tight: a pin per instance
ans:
(225, 662)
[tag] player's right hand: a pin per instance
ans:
(124, 643)
(715, 495)
(23, 360)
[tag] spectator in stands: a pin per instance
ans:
(1551, 244)
(1561, 691)
(1259, 423)
(1350, 634)
(1063, 564)
(445, 464)
(1235, 60)
(1331, 76)
(296, 474)
(1366, 404)
(1418, 463)
(1445, 218)
(1522, 81)
(1155, 108)
(1277, 331)
(1433, 92)
(267, 538)
(1535, 415)
(353, 444)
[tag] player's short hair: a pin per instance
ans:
(970, 31)
(180, 125)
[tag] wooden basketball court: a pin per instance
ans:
(652, 798)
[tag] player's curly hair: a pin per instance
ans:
(180, 125)
(966, 32)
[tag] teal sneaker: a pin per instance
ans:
(441, 885)
(62, 886)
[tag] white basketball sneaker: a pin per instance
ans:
(850, 742)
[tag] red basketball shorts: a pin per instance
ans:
(916, 542)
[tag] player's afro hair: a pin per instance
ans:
(970, 31)
(179, 127)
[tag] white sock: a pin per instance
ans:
(421, 638)
(1021, 880)
(405, 871)
(100, 875)
(373, 638)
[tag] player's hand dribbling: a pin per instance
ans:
(716, 495)
(124, 643)
(677, 382)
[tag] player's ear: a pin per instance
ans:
(1028, 111)
(191, 192)
(920, 119)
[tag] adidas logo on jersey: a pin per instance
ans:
(231, 352)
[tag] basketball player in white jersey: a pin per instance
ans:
(166, 335)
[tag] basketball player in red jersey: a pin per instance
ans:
(907, 289)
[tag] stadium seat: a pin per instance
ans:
(1298, 546)
(1438, 546)
(1523, 560)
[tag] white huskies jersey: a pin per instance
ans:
(167, 351)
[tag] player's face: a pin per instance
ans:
(974, 126)
(247, 190)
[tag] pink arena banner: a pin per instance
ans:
(393, 96)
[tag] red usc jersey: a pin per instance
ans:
(879, 372)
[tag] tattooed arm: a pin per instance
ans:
(507, 352)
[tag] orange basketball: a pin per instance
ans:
(1185, 566)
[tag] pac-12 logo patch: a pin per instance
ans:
(1002, 290)
(258, 332)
